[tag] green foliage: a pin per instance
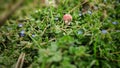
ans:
(90, 41)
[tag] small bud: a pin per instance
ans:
(104, 31)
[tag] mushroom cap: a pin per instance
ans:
(67, 17)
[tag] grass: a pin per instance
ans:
(91, 41)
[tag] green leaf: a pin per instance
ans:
(80, 51)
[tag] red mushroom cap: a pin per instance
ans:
(67, 18)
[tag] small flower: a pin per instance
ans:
(114, 23)
(80, 14)
(89, 12)
(67, 18)
(80, 32)
(104, 31)
(33, 35)
(22, 33)
(20, 25)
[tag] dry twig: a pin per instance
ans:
(20, 61)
